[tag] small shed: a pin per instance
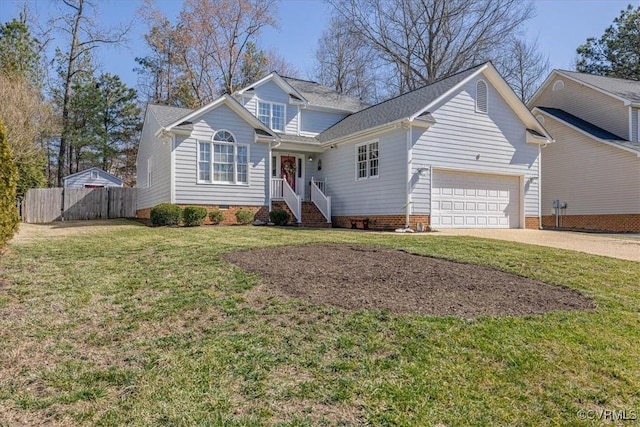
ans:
(92, 178)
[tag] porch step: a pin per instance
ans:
(311, 216)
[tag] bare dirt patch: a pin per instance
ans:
(364, 277)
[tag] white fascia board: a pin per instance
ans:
(516, 104)
(577, 129)
(275, 77)
(301, 148)
(430, 105)
(229, 102)
(198, 112)
(541, 89)
(596, 88)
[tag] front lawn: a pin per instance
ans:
(148, 326)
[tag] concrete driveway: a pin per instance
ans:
(612, 245)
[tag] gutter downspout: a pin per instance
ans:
(539, 187)
(268, 173)
(409, 168)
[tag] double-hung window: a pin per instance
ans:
(367, 161)
(223, 160)
(272, 115)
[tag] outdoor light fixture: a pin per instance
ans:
(423, 171)
(311, 158)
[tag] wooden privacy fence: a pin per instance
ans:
(57, 204)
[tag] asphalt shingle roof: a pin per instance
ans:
(394, 109)
(167, 115)
(627, 89)
(590, 128)
(323, 96)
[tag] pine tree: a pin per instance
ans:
(617, 52)
(9, 219)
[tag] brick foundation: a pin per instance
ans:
(381, 222)
(621, 223)
(261, 213)
(532, 222)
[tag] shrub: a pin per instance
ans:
(244, 217)
(193, 216)
(166, 214)
(216, 217)
(279, 217)
(9, 219)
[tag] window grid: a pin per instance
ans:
(229, 163)
(272, 115)
(367, 161)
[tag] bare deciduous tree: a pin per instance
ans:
(423, 40)
(217, 33)
(523, 66)
(344, 60)
(84, 36)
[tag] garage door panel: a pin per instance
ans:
(474, 200)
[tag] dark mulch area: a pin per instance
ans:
(364, 277)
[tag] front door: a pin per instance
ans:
(288, 170)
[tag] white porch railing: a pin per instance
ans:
(292, 200)
(322, 201)
(276, 188)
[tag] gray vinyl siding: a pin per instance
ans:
(591, 176)
(385, 195)
(588, 104)
(83, 178)
(314, 122)
(160, 152)
(271, 92)
(189, 191)
(460, 135)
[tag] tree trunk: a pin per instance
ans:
(67, 93)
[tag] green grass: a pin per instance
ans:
(146, 326)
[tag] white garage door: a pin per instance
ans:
(470, 200)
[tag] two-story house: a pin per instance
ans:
(591, 174)
(460, 152)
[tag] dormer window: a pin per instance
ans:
(482, 97)
(272, 115)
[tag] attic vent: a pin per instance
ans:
(482, 96)
(559, 84)
(540, 119)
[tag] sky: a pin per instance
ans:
(560, 26)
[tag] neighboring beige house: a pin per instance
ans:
(594, 164)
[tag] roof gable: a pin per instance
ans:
(282, 83)
(104, 173)
(223, 100)
(627, 91)
(323, 96)
(418, 103)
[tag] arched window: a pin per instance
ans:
(222, 160)
(223, 136)
(557, 85)
(482, 97)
